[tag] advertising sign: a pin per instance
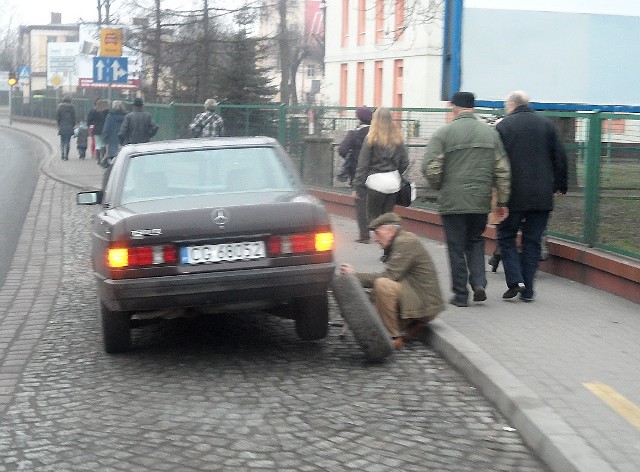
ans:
(111, 42)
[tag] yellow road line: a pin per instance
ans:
(620, 404)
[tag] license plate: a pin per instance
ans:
(229, 252)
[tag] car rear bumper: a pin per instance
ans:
(215, 288)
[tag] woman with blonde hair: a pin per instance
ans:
(382, 160)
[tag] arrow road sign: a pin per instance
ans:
(110, 69)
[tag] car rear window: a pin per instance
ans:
(205, 172)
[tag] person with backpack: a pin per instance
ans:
(208, 123)
(349, 150)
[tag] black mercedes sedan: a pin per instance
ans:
(212, 226)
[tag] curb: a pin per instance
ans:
(45, 162)
(542, 429)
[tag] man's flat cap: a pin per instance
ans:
(386, 219)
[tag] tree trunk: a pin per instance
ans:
(285, 53)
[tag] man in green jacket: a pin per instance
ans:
(407, 294)
(464, 161)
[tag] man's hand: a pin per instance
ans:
(502, 212)
(346, 269)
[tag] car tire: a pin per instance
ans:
(312, 317)
(362, 317)
(116, 330)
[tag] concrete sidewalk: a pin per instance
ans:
(553, 367)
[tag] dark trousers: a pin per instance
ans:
(465, 245)
(522, 267)
(361, 213)
(65, 142)
(379, 204)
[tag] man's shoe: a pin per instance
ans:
(414, 330)
(494, 262)
(514, 291)
(526, 299)
(479, 294)
(457, 302)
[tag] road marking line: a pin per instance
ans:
(620, 404)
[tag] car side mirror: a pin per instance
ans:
(93, 197)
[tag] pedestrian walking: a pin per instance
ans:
(463, 162)
(95, 119)
(208, 123)
(407, 293)
(112, 125)
(538, 171)
(66, 119)
(349, 150)
(138, 126)
(81, 133)
(382, 160)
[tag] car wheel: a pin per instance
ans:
(116, 330)
(361, 317)
(312, 317)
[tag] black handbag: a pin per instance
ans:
(406, 194)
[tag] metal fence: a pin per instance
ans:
(601, 209)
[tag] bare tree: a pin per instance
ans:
(8, 40)
(104, 8)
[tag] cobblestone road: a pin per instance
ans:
(235, 393)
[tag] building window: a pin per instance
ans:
(360, 84)
(52, 39)
(399, 14)
(362, 21)
(345, 23)
(379, 21)
(613, 126)
(377, 84)
(397, 83)
(311, 71)
(343, 85)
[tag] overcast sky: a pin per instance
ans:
(38, 12)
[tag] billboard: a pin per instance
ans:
(560, 51)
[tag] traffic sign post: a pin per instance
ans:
(110, 70)
(12, 81)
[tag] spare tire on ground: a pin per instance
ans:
(362, 317)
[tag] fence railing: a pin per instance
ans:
(601, 209)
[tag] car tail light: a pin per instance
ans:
(141, 256)
(303, 243)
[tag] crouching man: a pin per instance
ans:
(407, 294)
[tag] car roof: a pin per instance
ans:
(200, 143)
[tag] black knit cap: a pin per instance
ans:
(464, 100)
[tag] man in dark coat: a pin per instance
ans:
(538, 171)
(407, 293)
(66, 119)
(349, 149)
(138, 126)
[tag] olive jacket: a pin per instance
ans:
(464, 160)
(408, 262)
